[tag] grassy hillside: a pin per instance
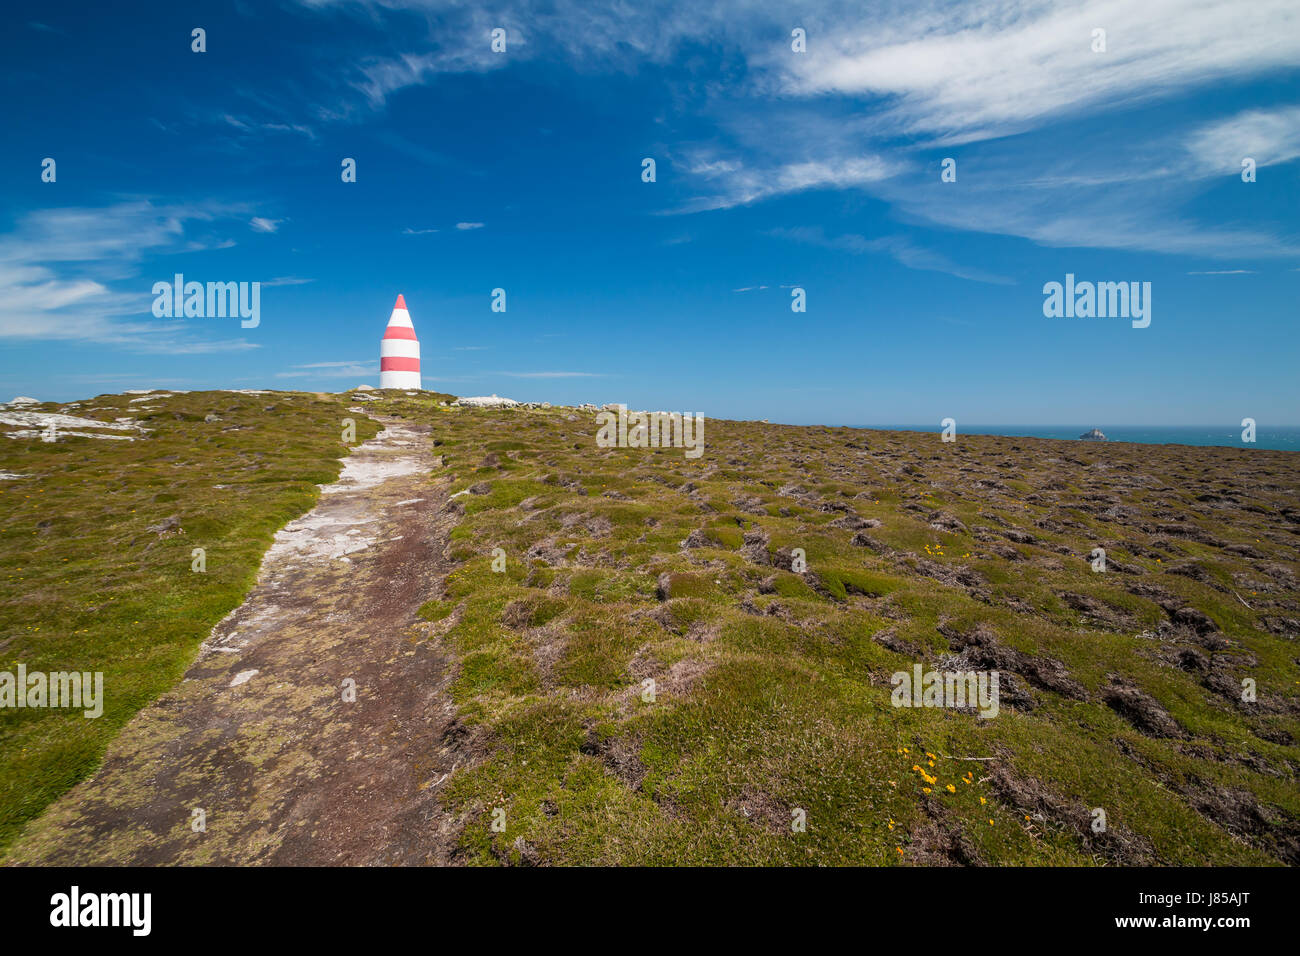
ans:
(1121, 691)
(96, 553)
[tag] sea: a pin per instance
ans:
(1277, 437)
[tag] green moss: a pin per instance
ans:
(436, 610)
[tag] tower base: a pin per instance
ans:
(407, 380)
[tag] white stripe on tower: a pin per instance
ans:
(399, 351)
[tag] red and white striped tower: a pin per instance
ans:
(399, 351)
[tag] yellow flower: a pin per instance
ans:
(982, 801)
(925, 789)
(951, 788)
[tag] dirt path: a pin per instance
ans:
(258, 735)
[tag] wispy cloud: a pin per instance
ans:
(408, 231)
(353, 363)
(553, 374)
(261, 224)
(1269, 137)
(902, 249)
(739, 184)
(112, 378)
(246, 125)
(176, 347)
(62, 273)
(974, 70)
(879, 83)
(348, 369)
(380, 77)
(469, 225)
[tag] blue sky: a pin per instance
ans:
(522, 170)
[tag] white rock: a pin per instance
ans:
(486, 401)
(55, 436)
(51, 426)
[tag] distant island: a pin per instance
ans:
(1094, 435)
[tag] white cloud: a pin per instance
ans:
(354, 369)
(900, 248)
(1269, 137)
(880, 81)
(245, 125)
(261, 224)
(469, 225)
(165, 346)
(1138, 215)
(347, 364)
(739, 185)
(59, 271)
(972, 70)
(552, 374)
(959, 69)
